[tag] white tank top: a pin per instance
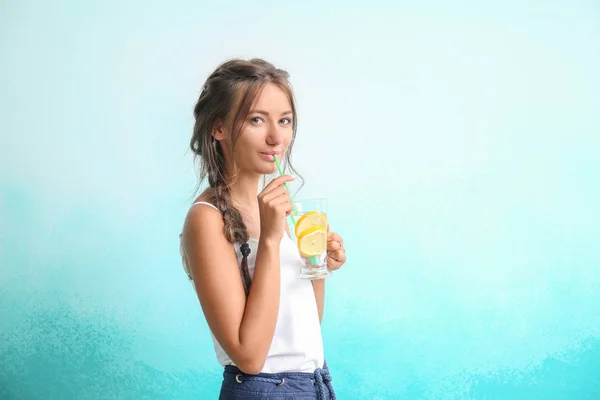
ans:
(297, 345)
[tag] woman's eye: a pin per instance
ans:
(286, 121)
(256, 120)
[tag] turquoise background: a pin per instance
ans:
(457, 143)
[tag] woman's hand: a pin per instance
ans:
(336, 253)
(274, 205)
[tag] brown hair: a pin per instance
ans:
(226, 98)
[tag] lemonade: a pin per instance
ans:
(310, 231)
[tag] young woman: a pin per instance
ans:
(264, 319)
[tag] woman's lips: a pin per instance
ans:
(269, 155)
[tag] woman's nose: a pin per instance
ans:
(274, 136)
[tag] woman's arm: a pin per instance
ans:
(336, 257)
(243, 327)
(319, 289)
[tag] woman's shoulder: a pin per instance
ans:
(203, 216)
(206, 198)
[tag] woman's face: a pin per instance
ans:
(267, 131)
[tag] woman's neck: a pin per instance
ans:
(244, 191)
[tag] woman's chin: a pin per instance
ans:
(268, 170)
(265, 168)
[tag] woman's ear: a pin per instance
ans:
(218, 131)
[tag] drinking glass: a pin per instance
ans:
(309, 222)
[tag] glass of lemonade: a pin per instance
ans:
(309, 220)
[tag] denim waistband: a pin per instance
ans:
(320, 378)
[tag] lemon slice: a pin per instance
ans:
(310, 219)
(313, 241)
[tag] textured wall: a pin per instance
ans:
(459, 152)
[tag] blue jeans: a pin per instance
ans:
(283, 386)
